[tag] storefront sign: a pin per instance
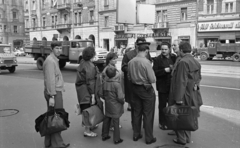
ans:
(148, 35)
(219, 26)
(184, 37)
(129, 35)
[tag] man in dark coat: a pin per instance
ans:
(185, 86)
(162, 68)
(126, 58)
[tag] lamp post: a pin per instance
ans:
(72, 5)
(196, 24)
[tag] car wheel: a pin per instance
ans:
(39, 63)
(12, 69)
(236, 57)
(203, 56)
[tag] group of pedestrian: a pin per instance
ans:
(177, 77)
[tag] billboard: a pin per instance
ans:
(219, 26)
(126, 11)
(146, 14)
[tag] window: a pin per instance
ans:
(56, 20)
(162, 16)
(44, 22)
(14, 15)
(106, 21)
(52, 21)
(183, 14)
(33, 5)
(79, 18)
(75, 18)
(229, 7)
(27, 23)
(210, 6)
(65, 18)
(91, 15)
(43, 3)
(15, 29)
(106, 2)
(33, 22)
(5, 28)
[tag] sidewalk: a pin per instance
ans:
(218, 128)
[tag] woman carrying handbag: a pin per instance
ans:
(86, 86)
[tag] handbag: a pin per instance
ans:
(93, 115)
(181, 117)
(52, 124)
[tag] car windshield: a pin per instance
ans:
(81, 44)
(5, 50)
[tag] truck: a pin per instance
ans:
(71, 51)
(220, 50)
(8, 61)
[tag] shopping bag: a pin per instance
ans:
(93, 115)
(52, 124)
(181, 117)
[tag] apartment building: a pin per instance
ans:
(218, 20)
(12, 22)
(62, 19)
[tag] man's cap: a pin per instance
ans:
(143, 43)
(143, 48)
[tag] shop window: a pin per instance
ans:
(229, 7)
(231, 41)
(106, 21)
(210, 6)
(183, 14)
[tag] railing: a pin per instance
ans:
(160, 25)
(77, 5)
(34, 12)
(60, 26)
(64, 6)
(119, 28)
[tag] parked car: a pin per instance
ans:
(101, 54)
(19, 53)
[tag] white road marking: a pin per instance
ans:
(220, 87)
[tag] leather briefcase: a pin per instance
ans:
(181, 117)
(93, 115)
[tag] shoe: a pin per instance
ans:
(162, 127)
(119, 141)
(93, 128)
(171, 133)
(152, 141)
(106, 138)
(137, 137)
(91, 134)
(65, 145)
(178, 142)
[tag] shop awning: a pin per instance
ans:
(168, 37)
(227, 37)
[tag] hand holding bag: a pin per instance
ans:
(52, 124)
(93, 115)
(181, 117)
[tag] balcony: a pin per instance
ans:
(66, 6)
(33, 12)
(160, 25)
(77, 5)
(63, 27)
(27, 30)
(119, 28)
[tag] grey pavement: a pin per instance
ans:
(218, 127)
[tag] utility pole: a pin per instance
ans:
(72, 5)
(197, 6)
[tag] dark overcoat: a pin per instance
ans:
(163, 78)
(185, 82)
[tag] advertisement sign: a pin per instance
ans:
(219, 26)
(148, 35)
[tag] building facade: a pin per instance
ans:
(12, 22)
(218, 20)
(62, 19)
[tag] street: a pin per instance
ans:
(219, 124)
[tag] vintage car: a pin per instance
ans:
(8, 60)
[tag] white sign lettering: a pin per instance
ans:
(219, 26)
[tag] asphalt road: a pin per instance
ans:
(219, 124)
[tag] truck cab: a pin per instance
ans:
(8, 60)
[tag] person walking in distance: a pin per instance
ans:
(185, 88)
(142, 76)
(53, 88)
(162, 67)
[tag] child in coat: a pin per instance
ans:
(114, 100)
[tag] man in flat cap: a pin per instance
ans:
(142, 77)
(127, 84)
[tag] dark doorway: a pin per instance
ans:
(65, 38)
(106, 44)
(44, 39)
(54, 39)
(92, 38)
(78, 37)
(34, 39)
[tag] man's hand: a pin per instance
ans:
(51, 101)
(168, 69)
(93, 99)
